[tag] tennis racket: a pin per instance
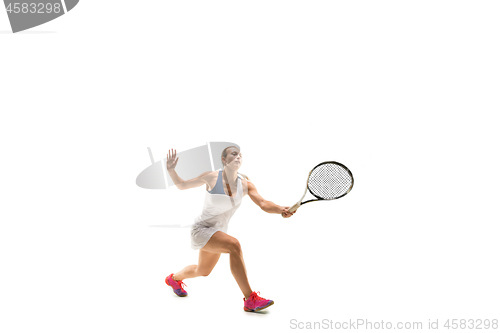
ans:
(327, 181)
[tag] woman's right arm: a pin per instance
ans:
(178, 181)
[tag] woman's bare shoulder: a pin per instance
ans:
(212, 173)
(208, 174)
(245, 183)
(211, 179)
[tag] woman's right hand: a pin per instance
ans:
(285, 212)
(171, 159)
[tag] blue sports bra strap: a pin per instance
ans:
(218, 189)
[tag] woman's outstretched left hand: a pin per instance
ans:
(285, 213)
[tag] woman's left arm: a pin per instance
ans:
(267, 206)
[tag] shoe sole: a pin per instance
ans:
(258, 309)
(168, 284)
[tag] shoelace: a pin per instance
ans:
(181, 284)
(254, 296)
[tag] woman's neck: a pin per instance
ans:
(230, 175)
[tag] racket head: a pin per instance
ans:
(330, 180)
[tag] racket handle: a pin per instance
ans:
(294, 207)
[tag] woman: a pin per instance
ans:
(225, 190)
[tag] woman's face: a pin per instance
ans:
(233, 158)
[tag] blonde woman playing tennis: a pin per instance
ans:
(225, 189)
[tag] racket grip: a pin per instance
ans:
(294, 207)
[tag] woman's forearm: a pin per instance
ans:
(178, 181)
(272, 208)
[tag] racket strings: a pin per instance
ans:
(329, 181)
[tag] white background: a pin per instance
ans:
(403, 93)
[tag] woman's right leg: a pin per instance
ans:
(221, 242)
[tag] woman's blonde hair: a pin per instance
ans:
(224, 154)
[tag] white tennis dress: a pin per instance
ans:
(217, 211)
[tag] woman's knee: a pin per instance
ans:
(201, 272)
(234, 246)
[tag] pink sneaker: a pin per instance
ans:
(256, 303)
(176, 285)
